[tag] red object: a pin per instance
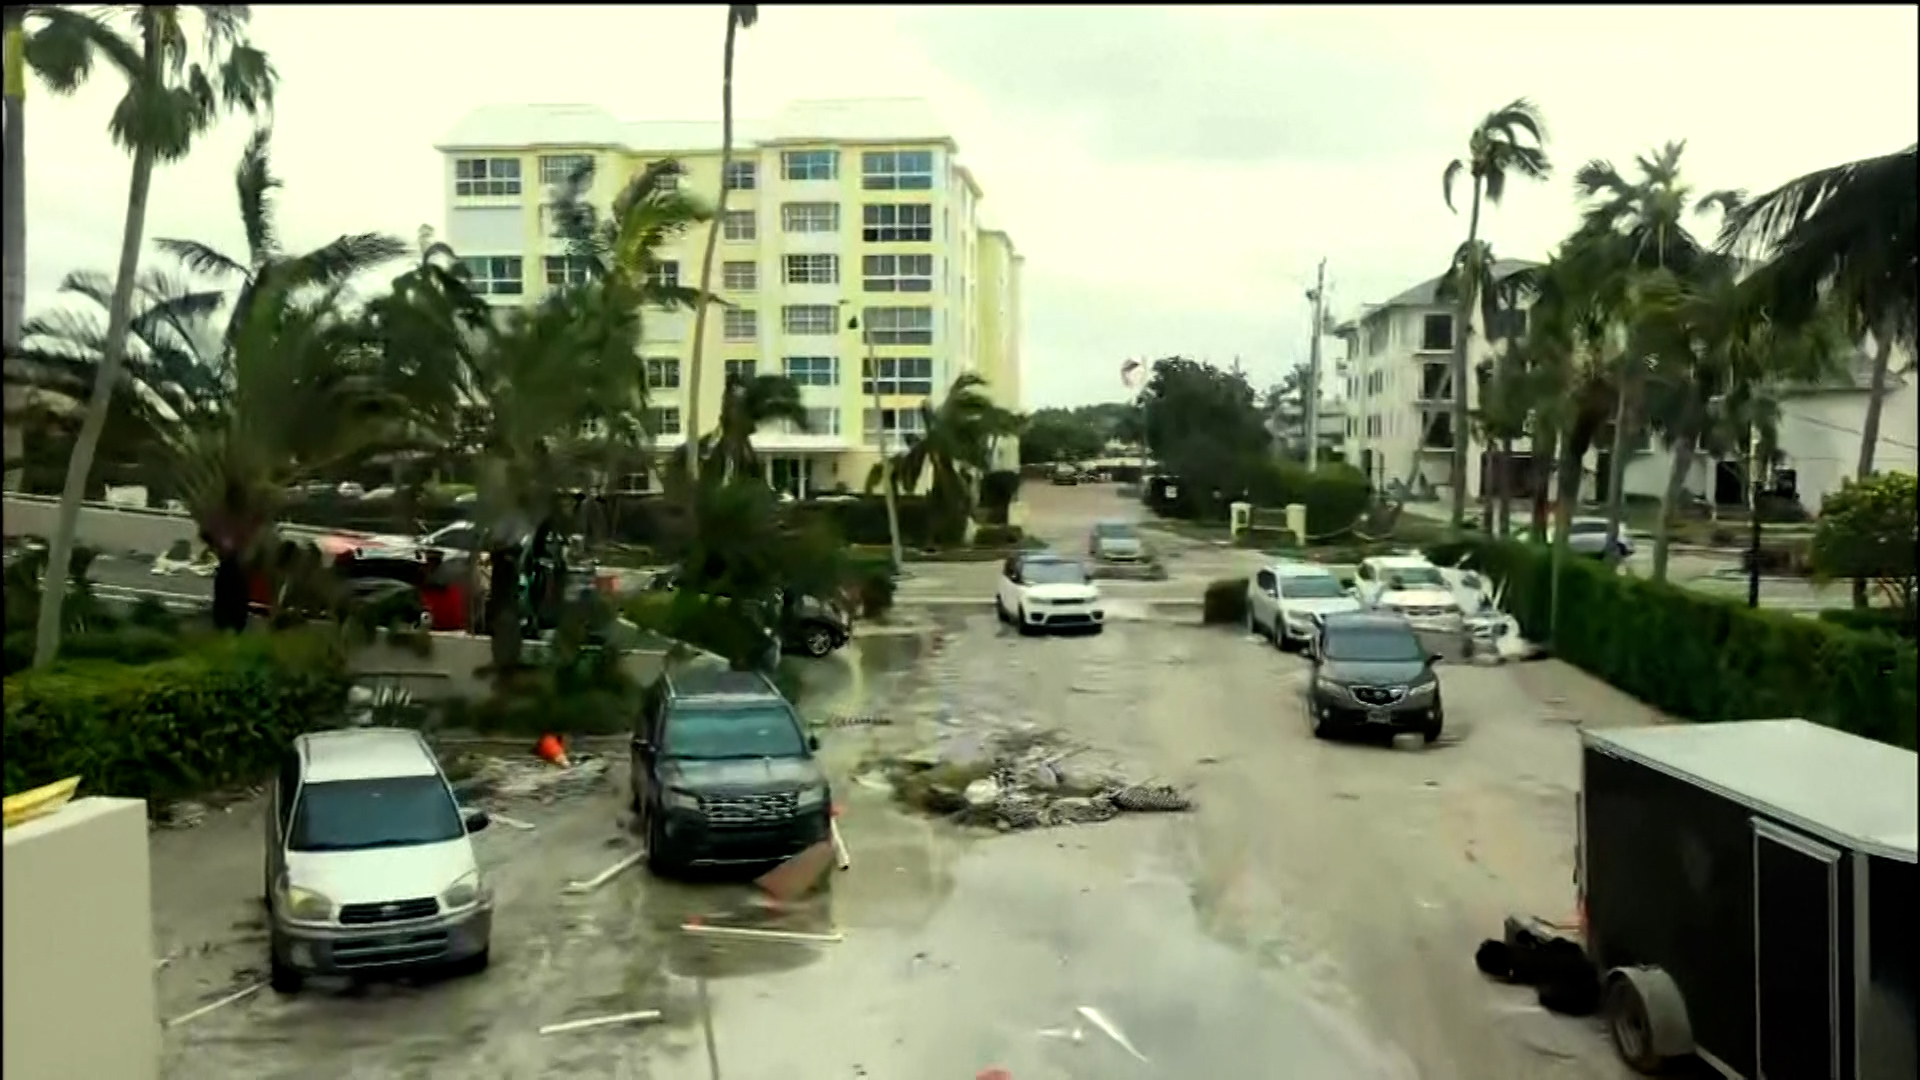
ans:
(995, 1073)
(445, 605)
(550, 750)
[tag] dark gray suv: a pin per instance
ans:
(1370, 672)
(724, 772)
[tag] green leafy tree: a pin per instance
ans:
(1869, 531)
(1205, 426)
(1050, 435)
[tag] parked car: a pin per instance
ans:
(1043, 591)
(1411, 587)
(1065, 475)
(811, 626)
(1371, 672)
(1117, 542)
(1286, 601)
(369, 863)
(1588, 536)
(724, 772)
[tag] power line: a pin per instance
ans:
(1845, 430)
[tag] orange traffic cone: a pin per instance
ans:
(551, 750)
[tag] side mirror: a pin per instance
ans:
(813, 742)
(643, 748)
(477, 820)
(1434, 658)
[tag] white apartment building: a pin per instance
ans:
(852, 256)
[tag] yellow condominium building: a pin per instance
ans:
(839, 214)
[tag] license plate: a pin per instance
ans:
(1378, 716)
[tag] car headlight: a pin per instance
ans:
(304, 905)
(1422, 690)
(810, 798)
(471, 889)
(1328, 686)
(682, 800)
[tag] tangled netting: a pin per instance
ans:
(1013, 808)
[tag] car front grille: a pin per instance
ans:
(1425, 612)
(750, 809)
(1378, 695)
(388, 911)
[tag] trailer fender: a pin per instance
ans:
(1668, 1032)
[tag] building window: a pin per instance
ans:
(664, 421)
(739, 225)
(1507, 324)
(823, 421)
(739, 324)
(741, 371)
(812, 370)
(898, 375)
(898, 325)
(1439, 433)
(488, 177)
(807, 318)
(557, 169)
(813, 269)
(903, 170)
(896, 223)
(810, 217)
(566, 271)
(893, 421)
(897, 273)
(495, 275)
(743, 175)
(1436, 333)
(1436, 382)
(740, 276)
(664, 275)
(663, 373)
(810, 165)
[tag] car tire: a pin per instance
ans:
(1000, 611)
(1322, 729)
(472, 965)
(282, 978)
(817, 641)
(661, 861)
(1431, 733)
(1023, 625)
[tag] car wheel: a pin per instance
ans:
(1322, 728)
(472, 965)
(283, 979)
(660, 857)
(1431, 733)
(1000, 611)
(1022, 624)
(817, 641)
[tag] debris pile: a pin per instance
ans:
(1016, 781)
(496, 780)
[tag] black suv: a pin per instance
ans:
(809, 626)
(1370, 671)
(724, 772)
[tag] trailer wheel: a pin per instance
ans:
(1647, 1018)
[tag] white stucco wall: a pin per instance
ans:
(1820, 438)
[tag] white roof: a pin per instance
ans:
(1301, 569)
(366, 754)
(852, 120)
(1391, 561)
(1851, 791)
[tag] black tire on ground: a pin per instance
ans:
(1023, 625)
(1646, 1019)
(1322, 729)
(472, 965)
(660, 857)
(283, 979)
(1431, 733)
(816, 641)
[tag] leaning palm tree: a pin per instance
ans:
(13, 222)
(1475, 272)
(176, 91)
(623, 247)
(739, 17)
(171, 362)
(951, 449)
(745, 406)
(1509, 141)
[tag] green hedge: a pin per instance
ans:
(219, 715)
(1878, 620)
(1700, 657)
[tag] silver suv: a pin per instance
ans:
(370, 866)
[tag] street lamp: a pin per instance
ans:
(870, 371)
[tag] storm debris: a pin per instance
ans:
(639, 1016)
(1020, 781)
(496, 780)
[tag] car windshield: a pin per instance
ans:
(1114, 530)
(1413, 577)
(355, 815)
(1311, 587)
(1054, 573)
(708, 734)
(1372, 644)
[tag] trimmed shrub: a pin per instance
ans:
(1873, 620)
(997, 536)
(1701, 657)
(220, 714)
(1225, 601)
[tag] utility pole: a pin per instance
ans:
(1311, 395)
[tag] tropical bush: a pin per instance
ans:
(219, 714)
(1700, 657)
(1225, 601)
(1868, 531)
(997, 536)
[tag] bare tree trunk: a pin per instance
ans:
(1870, 424)
(1462, 323)
(13, 230)
(701, 303)
(1546, 448)
(1503, 504)
(1682, 463)
(1617, 459)
(1570, 475)
(46, 642)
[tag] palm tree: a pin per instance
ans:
(623, 247)
(1509, 140)
(175, 93)
(739, 17)
(13, 220)
(746, 406)
(1473, 272)
(172, 344)
(953, 447)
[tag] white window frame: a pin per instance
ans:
(824, 420)
(734, 368)
(874, 421)
(812, 269)
(810, 165)
(740, 275)
(496, 275)
(811, 370)
(742, 175)
(893, 380)
(897, 325)
(804, 319)
(558, 169)
(658, 420)
(739, 324)
(663, 372)
(896, 273)
(896, 170)
(810, 217)
(880, 223)
(664, 274)
(566, 271)
(495, 178)
(739, 226)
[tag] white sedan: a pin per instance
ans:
(1043, 591)
(1286, 600)
(1410, 586)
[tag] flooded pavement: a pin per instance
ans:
(1314, 915)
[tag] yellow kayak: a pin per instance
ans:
(40, 801)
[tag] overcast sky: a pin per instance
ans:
(1172, 174)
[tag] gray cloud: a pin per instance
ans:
(1161, 84)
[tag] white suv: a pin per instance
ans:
(1286, 600)
(1410, 586)
(1042, 591)
(370, 866)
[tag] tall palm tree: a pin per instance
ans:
(13, 219)
(747, 405)
(176, 91)
(1508, 141)
(1474, 272)
(739, 17)
(952, 448)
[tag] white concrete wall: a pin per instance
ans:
(79, 946)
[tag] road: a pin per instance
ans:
(1315, 915)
